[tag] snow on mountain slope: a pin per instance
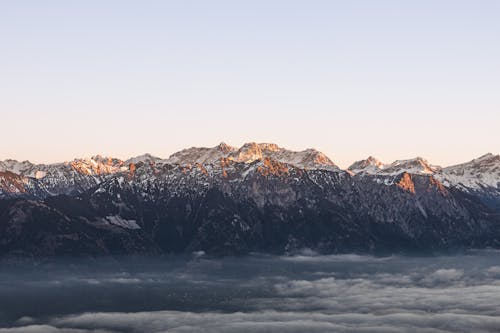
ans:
(26, 168)
(142, 158)
(416, 165)
(307, 159)
(482, 172)
(63, 178)
(250, 152)
(202, 156)
(98, 165)
(371, 166)
(121, 222)
(11, 184)
(16, 167)
(82, 174)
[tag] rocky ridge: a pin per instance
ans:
(259, 197)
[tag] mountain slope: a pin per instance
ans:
(250, 152)
(483, 172)
(259, 197)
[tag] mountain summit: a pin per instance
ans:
(482, 172)
(250, 152)
(370, 166)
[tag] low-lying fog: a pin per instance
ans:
(345, 293)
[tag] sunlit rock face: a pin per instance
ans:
(11, 183)
(260, 197)
(251, 152)
(370, 166)
(373, 166)
(480, 173)
(406, 183)
(98, 165)
(72, 177)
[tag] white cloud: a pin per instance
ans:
(272, 321)
(433, 295)
(494, 270)
(444, 275)
(47, 329)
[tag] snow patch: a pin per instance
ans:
(126, 224)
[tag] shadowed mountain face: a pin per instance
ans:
(260, 197)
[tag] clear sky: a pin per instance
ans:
(390, 78)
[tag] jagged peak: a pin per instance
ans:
(314, 158)
(147, 157)
(373, 166)
(15, 166)
(224, 147)
(97, 165)
(489, 157)
(374, 160)
(262, 145)
(370, 165)
(417, 159)
(14, 162)
(250, 152)
(96, 159)
(10, 160)
(483, 171)
(370, 160)
(104, 159)
(257, 149)
(269, 146)
(307, 159)
(417, 165)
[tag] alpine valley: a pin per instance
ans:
(257, 198)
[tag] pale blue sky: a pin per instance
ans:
(394, 79)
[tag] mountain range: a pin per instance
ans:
(259, 197)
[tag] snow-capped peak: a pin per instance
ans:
(250, 152)
(487, 159)
(371, 166)
(223, 147)
(25, 168)
(306, 159)
(481, 172)
(98, 165)
(15, 166)
(416, 165)
(142, 158)
(202, 155)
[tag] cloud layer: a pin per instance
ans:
(269, 294)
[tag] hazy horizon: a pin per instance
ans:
(351, 79)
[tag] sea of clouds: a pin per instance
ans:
(308, 293)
